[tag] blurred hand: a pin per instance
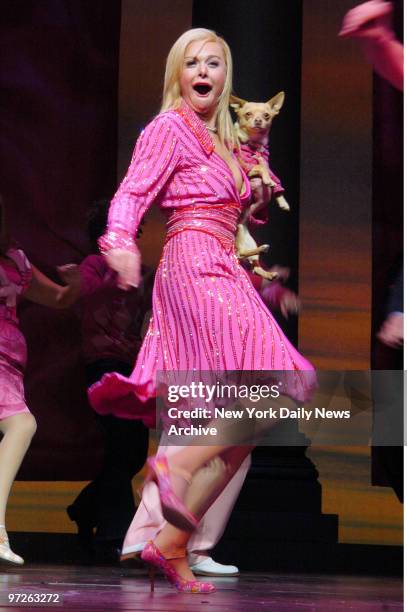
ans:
(70, 274)
(276, 296)
(282, 271)
(391, 332)
(289, 303)
(369, 20)
(127, 264)
(261, 194)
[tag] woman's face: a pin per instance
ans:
(203, 76)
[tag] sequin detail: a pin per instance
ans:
(197, 127)
(152, 555)
(206, 313)
(216, 220)
(119, 239)
(13, 349)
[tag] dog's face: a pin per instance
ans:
(255, 118)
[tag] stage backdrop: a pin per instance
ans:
(60, 74)
(58, 144)
(337, 245)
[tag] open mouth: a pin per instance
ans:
(202, 89)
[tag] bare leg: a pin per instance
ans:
(243, 431)
(215, 519)
(208, 482)
(18, 431)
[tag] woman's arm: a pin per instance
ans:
(154, 160)
(370, 22)
(95, 275)
(42, 290)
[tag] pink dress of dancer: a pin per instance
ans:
(14, 279)
(207, 316)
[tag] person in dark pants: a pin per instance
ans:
(111, 322)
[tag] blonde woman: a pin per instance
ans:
(206, 314)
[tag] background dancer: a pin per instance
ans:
(18, 279)
(111, 325)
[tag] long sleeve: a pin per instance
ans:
(371, 23)
(386, 54)
(154, 159)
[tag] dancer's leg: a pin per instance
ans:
(214, 521)
(206, 488)
(18, 431)
(148, 520)
(201, 494)
(238, 432)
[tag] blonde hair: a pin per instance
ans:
(172, 92)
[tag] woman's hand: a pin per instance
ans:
(42, 290)
(289, 303)
(261, 194)
(70, 274)
(391, 332)
(127, 264)
(278, 297)
(370, 20)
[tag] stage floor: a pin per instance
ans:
(113, 588)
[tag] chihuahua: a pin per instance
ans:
(252, 127)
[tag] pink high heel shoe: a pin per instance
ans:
(156, 559)
(174, 510)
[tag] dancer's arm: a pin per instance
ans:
(391, 332)
(370, 22)
(278, 297)
(96, 275)
(154, 160)
(42, 290)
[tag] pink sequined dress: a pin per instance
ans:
(207, 316)
(13, 351)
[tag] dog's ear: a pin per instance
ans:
(277, 101)
(236, 102)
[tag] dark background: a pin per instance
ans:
(59, 150)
